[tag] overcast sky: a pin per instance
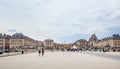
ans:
(61, 20)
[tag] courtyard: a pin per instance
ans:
(59, 60)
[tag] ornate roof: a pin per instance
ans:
(93, 37)
(18, 35)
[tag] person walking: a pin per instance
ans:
(42, 51)
(39, 51)
(22, 52)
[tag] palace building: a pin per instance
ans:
(108, 43)
(4, 41)
(81, 44)
(19, 40)
(49, 43)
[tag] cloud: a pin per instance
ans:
(12, 30)
(115, 15)
(59, 19)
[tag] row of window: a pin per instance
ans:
(1, 40)
(116, 42)
(16, 44)
(48, 43)
(16, 40)
(1, 44)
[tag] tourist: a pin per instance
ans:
(22, 52)
(42, 51)
(39, 51)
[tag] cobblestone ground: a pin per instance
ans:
(58, 60)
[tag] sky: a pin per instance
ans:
(60, 20)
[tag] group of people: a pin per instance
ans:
(41, 51)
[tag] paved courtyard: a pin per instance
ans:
(58, 60)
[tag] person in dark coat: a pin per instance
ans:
(22, 52)
(39, 51)
(42, 51)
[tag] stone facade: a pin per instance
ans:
(4, 41)
(15, 43)
(48, 43)
(81, 44)
(108, 43)
(17, 40)
(40, 44)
